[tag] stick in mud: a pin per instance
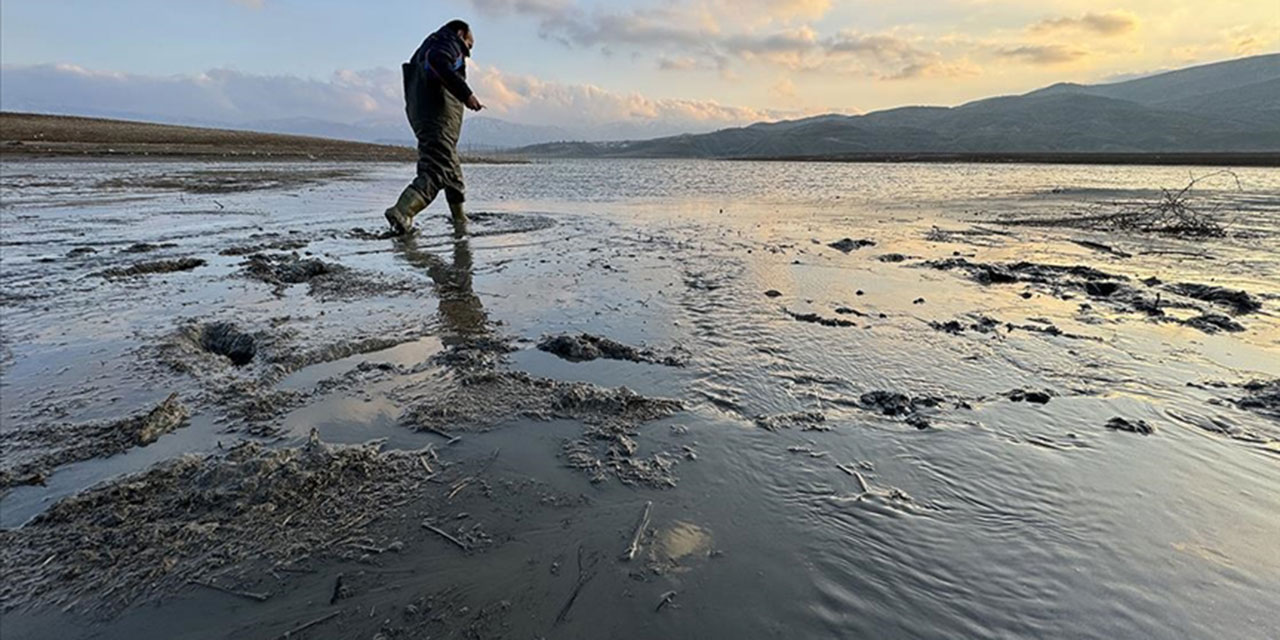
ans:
(303, 627)
(634, 547)
(259, 597)
(666, 599)
(440, 532)
(583, 579)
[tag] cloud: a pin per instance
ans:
(1041, 54)
(222, 96)
(1113, 23)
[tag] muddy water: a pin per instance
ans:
(964, 513)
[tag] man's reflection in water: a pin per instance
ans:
(461, 312)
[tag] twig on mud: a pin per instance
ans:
(441, 532)
(259, 597)
(634, 547)
(303, 627)
(583, 579)
(666, 599)
(423, 460)
(862, 482)
(459, 486)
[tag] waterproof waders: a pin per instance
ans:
(435, 90)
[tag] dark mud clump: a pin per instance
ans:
(152, 267)
(1034, 396)
(1213, 323)
(286, 244)
(983, 324)
(1132, 426)
(814, 318)
(31, 454)
(225, 339)
(891, 257)
(1032, 272)
(198, 518)
(900, 405)
(585, 347)
(1262, 396)
(1238, 301)
(288, 268)
(81, 251)
(146, 247)
(849, 244)
(327, 280)
(804, 420)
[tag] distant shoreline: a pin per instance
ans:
(26, 136)
(1247, 159)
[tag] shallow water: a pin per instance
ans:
(1002, 519)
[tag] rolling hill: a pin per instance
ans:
(1225, 107)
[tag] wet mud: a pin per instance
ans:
(374, 440)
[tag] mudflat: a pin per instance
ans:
(639, 399)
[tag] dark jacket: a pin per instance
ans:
(443, 56)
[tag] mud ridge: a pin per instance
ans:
(1239, 302)
(31, 454)
(814, 318)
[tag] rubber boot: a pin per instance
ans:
(400, 215)
(459, 219)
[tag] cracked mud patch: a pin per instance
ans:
(585, 347)
(31, 454)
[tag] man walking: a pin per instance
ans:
(435, 91)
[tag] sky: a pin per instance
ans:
(672, 64)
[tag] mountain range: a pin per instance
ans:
(1231, 106)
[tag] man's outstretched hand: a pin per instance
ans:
(473, 103)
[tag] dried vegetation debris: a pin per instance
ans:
(1172, 212)
(31, 454)
(149, 534)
